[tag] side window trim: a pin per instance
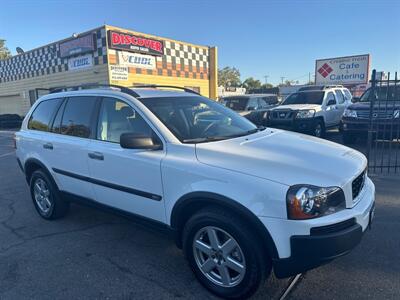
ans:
(53, 118)
(134, 108)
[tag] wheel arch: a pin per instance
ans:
(33, 164)
(192, 202)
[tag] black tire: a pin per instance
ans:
(319, 129)
(58, 207)
(256, 259)
(349, 138)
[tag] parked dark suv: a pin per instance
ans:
(385, 114)
(253, 107)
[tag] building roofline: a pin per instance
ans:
(111, 27)
(53, 43)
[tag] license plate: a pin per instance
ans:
(371, 216)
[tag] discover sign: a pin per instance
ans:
(342, 70)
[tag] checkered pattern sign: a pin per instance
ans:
(179, 60)
(46, 60)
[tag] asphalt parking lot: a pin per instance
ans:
(95, 255)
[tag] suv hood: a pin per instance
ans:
(378, 105)
(298, 106)
(285, 157)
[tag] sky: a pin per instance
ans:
(260, 38)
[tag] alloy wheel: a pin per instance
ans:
(219, 256)
(41, 194)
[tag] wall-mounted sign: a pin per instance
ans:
(119, 72)
(135, 43)
(79, 45)
(136, 60)
(342, 70)
(80, 62)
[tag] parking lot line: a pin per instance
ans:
(7, 154)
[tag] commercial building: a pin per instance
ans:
(105, 55)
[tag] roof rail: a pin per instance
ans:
(123, 89)
(165, 86)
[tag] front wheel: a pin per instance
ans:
(224, 254)
(319, 129)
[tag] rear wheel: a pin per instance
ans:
(46, 197)
(224, 254)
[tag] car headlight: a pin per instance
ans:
(308, 201)
(350, 113)
(396, 114)
(303, 114)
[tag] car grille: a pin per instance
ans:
(281, 114)
(382, 115)
(358, 184)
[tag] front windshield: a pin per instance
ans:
(382, 93)
(198, 119)
(238, 103)
(305, 98)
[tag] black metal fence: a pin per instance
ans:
(383, 148)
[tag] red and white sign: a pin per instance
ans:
(342, 70)
(135, 43)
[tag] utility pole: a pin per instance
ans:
(282, 78)
(266, 79)
(309, 77)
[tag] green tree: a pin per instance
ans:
(229, 76)
(267, 86)
(4, 52)
(251, 84)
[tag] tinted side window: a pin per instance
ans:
(253, 103)
(41, 117)
(330, 97)
(77, 117)
(262, 103)
(339, 96)
(347, 94)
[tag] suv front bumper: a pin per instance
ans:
(299, 125)
(305, 244)
(361, 126)
(309, 252)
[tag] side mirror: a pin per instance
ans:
(251, 108)
(132, 140)
(331, 102)
(355, 99)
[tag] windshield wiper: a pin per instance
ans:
(220, 138)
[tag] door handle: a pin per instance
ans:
(48, 146)
(96, 155)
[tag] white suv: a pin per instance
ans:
(240, 200)
(311, 111)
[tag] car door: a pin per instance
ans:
(252, 104)
(72, 130)
(126, 179)
(330, 104)
(341, 105)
